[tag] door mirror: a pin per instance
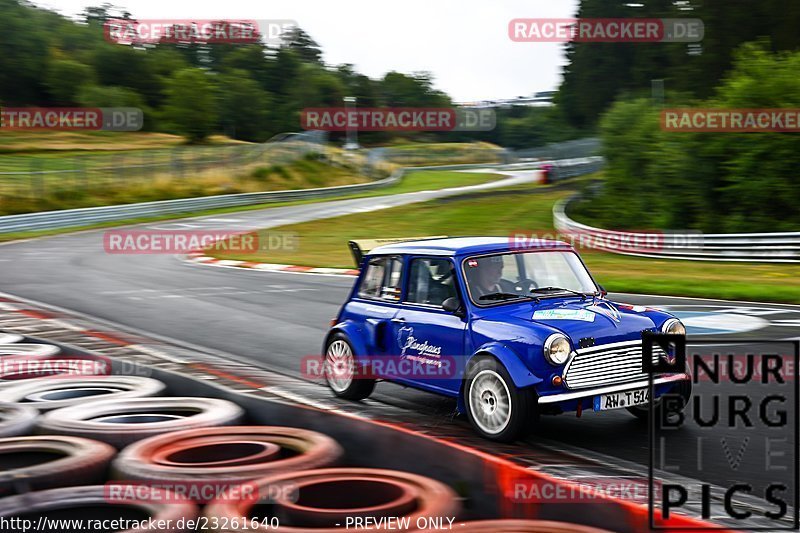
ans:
(603, 291)
(453, 305)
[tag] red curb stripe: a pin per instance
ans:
(297, 268)
(106, 337)
(35, 314)
(226, 375)
(351, 272)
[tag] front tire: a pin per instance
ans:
(340, 370)
(496, 408)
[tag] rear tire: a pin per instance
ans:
(496, 408)
(340, 370)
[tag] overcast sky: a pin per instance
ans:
(464, 43)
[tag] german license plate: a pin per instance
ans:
(618, 400)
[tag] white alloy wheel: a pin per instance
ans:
(339, 365)
(489, 402)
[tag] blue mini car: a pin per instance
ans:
(511, 333)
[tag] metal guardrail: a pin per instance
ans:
(72, 218)
(754, 247)
(574, 149)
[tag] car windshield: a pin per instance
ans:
(515, 276)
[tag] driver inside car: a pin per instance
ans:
(487, 276)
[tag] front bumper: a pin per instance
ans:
(588, 393)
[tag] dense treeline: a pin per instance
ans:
(249, 92)
(715, 182)
(597, 74)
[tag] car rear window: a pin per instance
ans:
(382, 279)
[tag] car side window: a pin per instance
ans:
(373, 279)
(430, 281)
(392, 284)
(382, 279)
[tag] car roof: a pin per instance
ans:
(467, 246)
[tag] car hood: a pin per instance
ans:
(600, 319)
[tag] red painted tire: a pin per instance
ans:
(314, 501)
(46, 394)
(122, 422)
(521, 526)
(92, 503)
(228, 454)
(36, 463)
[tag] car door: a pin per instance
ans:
(376, 302)
(426, 334)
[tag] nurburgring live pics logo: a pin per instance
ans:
(731, 414)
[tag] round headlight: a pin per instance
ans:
(673, 326)
(556, 349)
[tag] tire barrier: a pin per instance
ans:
(14, 350)
(10, 338)
(16, 419)
(48, 394)
(317, 500)
(231, 454)
(122, 422)
(36, 463)
(522, 526)
(91, 503)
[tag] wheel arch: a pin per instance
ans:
(350, 331)
(521, 375)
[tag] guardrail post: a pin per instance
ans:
(37, 179)
(176, 163)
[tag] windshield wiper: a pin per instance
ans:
(501, 296)
(559, 289)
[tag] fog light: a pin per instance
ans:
(557, 381)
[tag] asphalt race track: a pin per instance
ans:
(274, 319)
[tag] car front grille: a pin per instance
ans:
(607, 364)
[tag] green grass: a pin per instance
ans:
(444, 153)
(324, 243)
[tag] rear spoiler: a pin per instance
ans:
(362, 247)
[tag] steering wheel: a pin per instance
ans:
(525, 285)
